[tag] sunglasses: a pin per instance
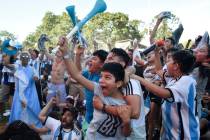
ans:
(25, 57)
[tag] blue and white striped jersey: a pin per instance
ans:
(180, 120)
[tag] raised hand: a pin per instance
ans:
(128, 72)
(54, 101)
(63, 43)
(79, 50)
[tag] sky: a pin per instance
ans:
(21, 17)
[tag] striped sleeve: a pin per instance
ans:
(132, 88)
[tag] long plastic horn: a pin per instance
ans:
(71, 12)
(100, 6)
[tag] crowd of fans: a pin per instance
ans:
(161, 93)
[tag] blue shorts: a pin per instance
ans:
(57, 90)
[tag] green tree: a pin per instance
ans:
(111, 27)
(52, 25)
(106, 27)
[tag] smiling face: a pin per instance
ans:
(108, 83)
(94, 64)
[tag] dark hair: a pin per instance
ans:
(180, 46)
(102, 54)
(18, 130)
(73, 111)
(173, 42)
(12, 59)
(172, 50)
(130, 50)
(185, 59)
(36, 51)
(115, 69)
(74, 114)
(122, 54)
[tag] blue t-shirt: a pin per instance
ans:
(89, 94)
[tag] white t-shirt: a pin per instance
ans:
(180, 120)
(104, 126)
(54, 124)
(134, 88)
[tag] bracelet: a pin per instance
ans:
(103, 108)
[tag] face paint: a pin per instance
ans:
(24, 57)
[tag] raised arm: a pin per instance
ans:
(44, 112)
(79, 52)
(71, 67)
(157, 90)
(153, 32)
(158, 65)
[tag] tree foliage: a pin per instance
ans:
(7, 34)
(105, 28)
(52, 25)
(111, 27)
